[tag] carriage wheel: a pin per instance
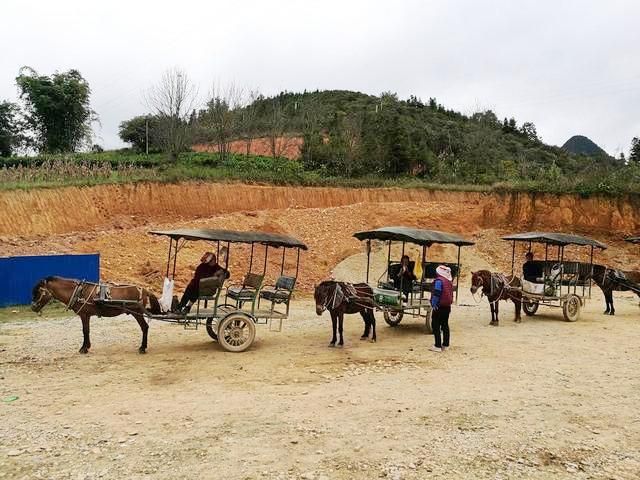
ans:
(236, 332)
(210, 330)
(529, 306)
(571, 308)
(393, 317)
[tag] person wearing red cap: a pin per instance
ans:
(441, 300)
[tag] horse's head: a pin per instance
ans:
(40, 295)
(328, 295)
(477, 281)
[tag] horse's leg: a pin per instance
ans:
(86, 342)
(493, 314)
(372, 321)
(612, 310)
(334, 325)
(367, 325)
(607, 309)
(497, 310)
(340, 322)
(144, 326)
(518, 304)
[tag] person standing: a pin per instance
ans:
(441, 300)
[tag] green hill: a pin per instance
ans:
(352, 134)
(581, 145)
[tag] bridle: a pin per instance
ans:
(44, 297)
(330, 302)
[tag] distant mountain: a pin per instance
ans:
(581, 145)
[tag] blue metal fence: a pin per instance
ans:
(18, 275)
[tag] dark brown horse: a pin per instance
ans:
(81, 298)
(611, 280)
(340, 298)
(496, 287)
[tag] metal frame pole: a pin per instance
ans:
(591, 276)
(388, 260)
(458, 275)
(562, 269)
(169, 257)
(226, 262)
(266, 254)
(368, 244)
(251, 258)
(513, 258)
(175, 259)
(284, 249)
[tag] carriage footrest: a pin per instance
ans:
(191, 323)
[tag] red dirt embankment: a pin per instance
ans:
(63, 210)
(288, 147)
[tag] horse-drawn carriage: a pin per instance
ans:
(230, 318)
(388, 290)
(561, 283)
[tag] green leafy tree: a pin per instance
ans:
(57, 109)
(134, 131)
(10, 136)
(634, 153)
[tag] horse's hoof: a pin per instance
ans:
(83, 350)
(373, 340)
(142, 350)
(364, 337)
(493, 324)
(332, 345)
(518, 320)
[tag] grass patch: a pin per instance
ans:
(23, 313)
(80, 170)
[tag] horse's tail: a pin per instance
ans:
(154, 304)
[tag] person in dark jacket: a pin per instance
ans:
(531, 271)
(208, 268)
(405, 277)
(441, 300)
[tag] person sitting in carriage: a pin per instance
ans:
(405, 277)
(208, 268)
(532, 271)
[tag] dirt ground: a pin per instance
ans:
(540, 399)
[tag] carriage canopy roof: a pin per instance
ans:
(633, 239)
(233, 236)
(413, 235)
(561, 239)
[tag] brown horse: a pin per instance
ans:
(340, 298)
(80, 297)
(611, 280)
(496, 287)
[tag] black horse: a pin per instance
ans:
(340, 298)
(611, 280)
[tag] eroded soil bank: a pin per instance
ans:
(64, 210)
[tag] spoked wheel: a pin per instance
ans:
(571, 308)
(529, 306)
(236, 332)
(393, 317)
(210, 330)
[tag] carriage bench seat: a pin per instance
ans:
(249, 289)
(281, 291)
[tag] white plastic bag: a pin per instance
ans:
(167, 295)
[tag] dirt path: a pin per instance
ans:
(541, 399)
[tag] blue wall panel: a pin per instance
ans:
(18, 275)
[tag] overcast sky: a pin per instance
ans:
(571, 67)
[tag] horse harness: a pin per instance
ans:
(103, 299)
